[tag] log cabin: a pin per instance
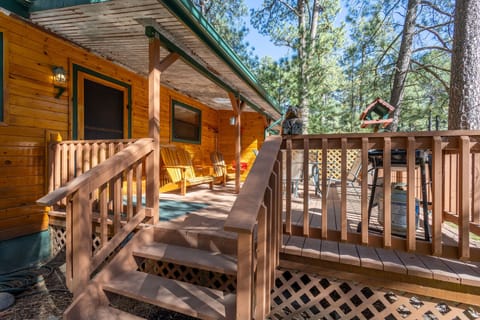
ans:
(321, 251)
(102, 93)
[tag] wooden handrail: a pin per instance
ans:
(101, 173)
(243, 215)
(449, 189)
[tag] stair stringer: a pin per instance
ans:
(92, 297)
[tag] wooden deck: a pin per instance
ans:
(211, 219)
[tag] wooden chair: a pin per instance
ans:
(220, 168)
(179, 167)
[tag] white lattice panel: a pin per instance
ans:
(304, 296)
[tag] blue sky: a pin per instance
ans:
(263, 45)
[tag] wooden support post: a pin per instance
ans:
(245, 276)
(153, 160)
(464, 198)
(237, 106)
(81, 241)
(262, 278)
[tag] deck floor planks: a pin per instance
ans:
(348, 254)
(294, 245)
(390, 261)
(440, 270)
(329, 251)
(415, 267)
(466, 271)
(369, 258)
(311, 248)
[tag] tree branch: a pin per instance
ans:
(433, 73)
(436, 34)
(289, 7)
(436, 8)
(432, 48)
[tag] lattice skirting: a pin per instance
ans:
(58, 236)
(305, 296)
(195, 276)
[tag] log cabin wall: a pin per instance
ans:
(32, 113)
(253, 135)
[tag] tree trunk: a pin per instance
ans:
(403, 62)
(464, 108)
(302, 53)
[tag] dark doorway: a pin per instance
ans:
(103, 111)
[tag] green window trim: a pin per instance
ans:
(192, 128)
(76, 69)
(2, 79)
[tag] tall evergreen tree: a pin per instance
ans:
(464, 111)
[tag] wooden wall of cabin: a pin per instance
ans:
(32, 113)
(253, 135)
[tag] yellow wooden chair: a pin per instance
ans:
(179, 167)
(220, 168)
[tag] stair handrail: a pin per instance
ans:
(102, 182)
(102, 172)
(256, 209)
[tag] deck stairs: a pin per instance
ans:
(194, 254)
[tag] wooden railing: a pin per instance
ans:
(275, 200)
(256, 217)
(452, 189)
(69, 159)
(97, 194)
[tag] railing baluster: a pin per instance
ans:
(129, 193)
(117, 203)
(306, 224)
(103, 206)
(324, 189)
(139, 187)
(78, 160)
(464, 198)
(288, 187)
(364, 201)
(343, 191)
(411, 228)
(387, 192)
(71, 162)
(476, 188)
(437, 196)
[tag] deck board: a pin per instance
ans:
(369, 258)
(329, 251)
(415, 267)
(390, 261)
(311, 248)
(348, 254)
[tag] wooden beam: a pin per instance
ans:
(168, 61)
(237, 106)
(153, 161)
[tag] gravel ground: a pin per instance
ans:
(49, 297)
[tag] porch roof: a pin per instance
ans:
(208, 69)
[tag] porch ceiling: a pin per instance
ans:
(115, 29)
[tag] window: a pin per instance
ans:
(2, 65)
(186, 123)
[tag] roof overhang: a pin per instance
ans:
(116, 29)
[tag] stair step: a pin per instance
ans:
(110, 313)
(190, 257)
(182, 297)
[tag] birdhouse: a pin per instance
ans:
(378, 114)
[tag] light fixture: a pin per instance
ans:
(233, 121)
(59, 80)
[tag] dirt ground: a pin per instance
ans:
(49, 297)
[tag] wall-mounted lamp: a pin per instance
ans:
(233, 121)
(59, 80)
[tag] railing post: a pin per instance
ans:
(288, 187)
(363, 205)
(81, 217)
(464, 198)
(387, 192)
(437, 196)
(411, 236)
(244, 276)
(262, 278)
